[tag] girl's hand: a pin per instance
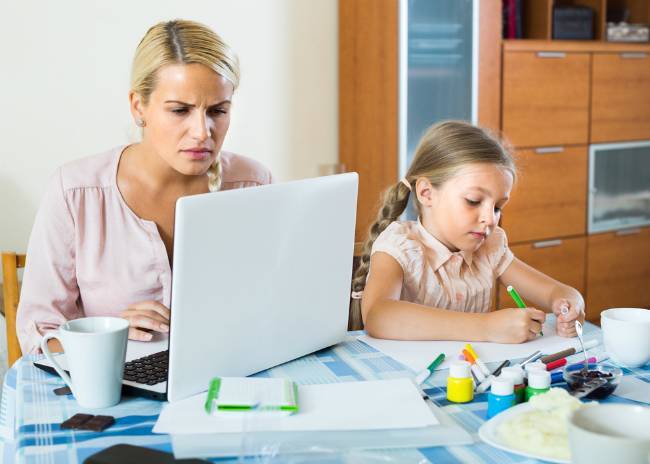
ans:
(144, 317)
(515, 325)
(567, 312)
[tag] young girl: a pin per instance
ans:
(432, 279)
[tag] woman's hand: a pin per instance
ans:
(514, 325)
(144, 317)
(567, 312)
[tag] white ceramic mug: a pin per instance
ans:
(610, 433)
(95, 350)
(626, 332)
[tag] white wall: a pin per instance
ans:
(64, 77)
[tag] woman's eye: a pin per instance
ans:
(217, 112)
(497, 209)
(472, 202)
(179, 110)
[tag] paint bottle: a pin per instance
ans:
(460, 388)
(537, 365)
(538, 382)
(516, 374)
(501, 396)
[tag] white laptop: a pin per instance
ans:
(261, 276)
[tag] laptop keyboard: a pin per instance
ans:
(148, 370)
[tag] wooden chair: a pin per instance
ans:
(11, 262)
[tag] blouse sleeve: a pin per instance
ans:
(395, 241)
(49, 292)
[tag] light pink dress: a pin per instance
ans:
(435, 276)
(90, 255)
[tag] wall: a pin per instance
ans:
(64, 82)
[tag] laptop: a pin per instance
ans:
(261, 276)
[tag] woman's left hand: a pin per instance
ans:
(567, 312)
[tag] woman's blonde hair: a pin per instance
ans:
(182, 42)
(444, 149)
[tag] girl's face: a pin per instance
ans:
(187, 116)
(463, 211)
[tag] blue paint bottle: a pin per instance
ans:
(501, 396)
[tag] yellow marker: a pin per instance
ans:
(478, 361)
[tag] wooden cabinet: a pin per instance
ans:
(562, 259)
(620, 97)
(618, 271)
(550, 196)
(546, 98)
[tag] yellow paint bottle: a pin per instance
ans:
(460, 388)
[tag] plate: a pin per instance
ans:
(488, 433)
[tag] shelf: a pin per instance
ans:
(527, 45)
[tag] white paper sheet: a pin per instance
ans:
(418, 355)
(372, 405)
(633, 389)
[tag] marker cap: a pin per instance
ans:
(515, 373)
(537, 365)
(502, 386)
(539, 379)
(459, 370)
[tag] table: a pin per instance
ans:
(30, 413)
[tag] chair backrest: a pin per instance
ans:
(11, 262)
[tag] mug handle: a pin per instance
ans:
(46, 351)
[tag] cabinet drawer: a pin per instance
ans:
(550, 196)
(546, 98)
(618, 271)
(563, 260)
(620, 97)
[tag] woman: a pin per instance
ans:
(102, 241)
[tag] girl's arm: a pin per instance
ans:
(546, 293)
(385, 316)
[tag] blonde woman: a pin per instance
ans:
(103, 237)
(431, 279)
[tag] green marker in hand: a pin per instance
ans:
(520, 303)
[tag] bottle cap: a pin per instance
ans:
(459, 370)
(537, 365)
(515, 373)
(539, 379)
(502, 386)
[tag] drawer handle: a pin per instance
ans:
(634, 55)
(551, 55)
(547, 244)
(545, 150)
(628, 232)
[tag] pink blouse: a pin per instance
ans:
(90, 255)
(435, 276)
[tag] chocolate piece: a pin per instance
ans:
(63, 391)
(76, 421)
(98, 423)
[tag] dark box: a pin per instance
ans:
(573, 23)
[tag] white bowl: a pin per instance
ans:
(626, 332)
(610, 433)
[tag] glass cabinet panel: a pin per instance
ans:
(619, 186)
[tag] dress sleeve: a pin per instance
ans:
(49, 293)
(500, 255)
(394, 240)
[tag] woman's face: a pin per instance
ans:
(187, 116)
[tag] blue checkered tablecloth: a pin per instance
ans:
(30, 413)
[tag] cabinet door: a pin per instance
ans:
(564, 260)
(546, 98)
(550, 196)
(620, 97)
(618, 271)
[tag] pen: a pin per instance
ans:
(533, 357)
(515, 296)
(580, 365)
(559, 355)
(480, 364)
(555, 364)
(483, 386)
(424, 375)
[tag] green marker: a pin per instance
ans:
(520, 303)
(424, 375)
